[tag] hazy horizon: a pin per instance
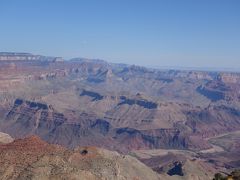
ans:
(187, 34)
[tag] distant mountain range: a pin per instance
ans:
(29, 56)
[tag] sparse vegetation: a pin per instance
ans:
(235, 175)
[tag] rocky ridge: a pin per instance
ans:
(32, 158)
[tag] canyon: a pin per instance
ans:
(136, 111)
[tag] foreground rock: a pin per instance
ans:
(32, 158)
(5, 138)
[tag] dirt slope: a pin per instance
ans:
(32, 158)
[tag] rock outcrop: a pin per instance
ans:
(32, 158)
(5, 138)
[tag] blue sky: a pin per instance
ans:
(175, 33)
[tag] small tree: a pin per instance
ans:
(219, 176)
